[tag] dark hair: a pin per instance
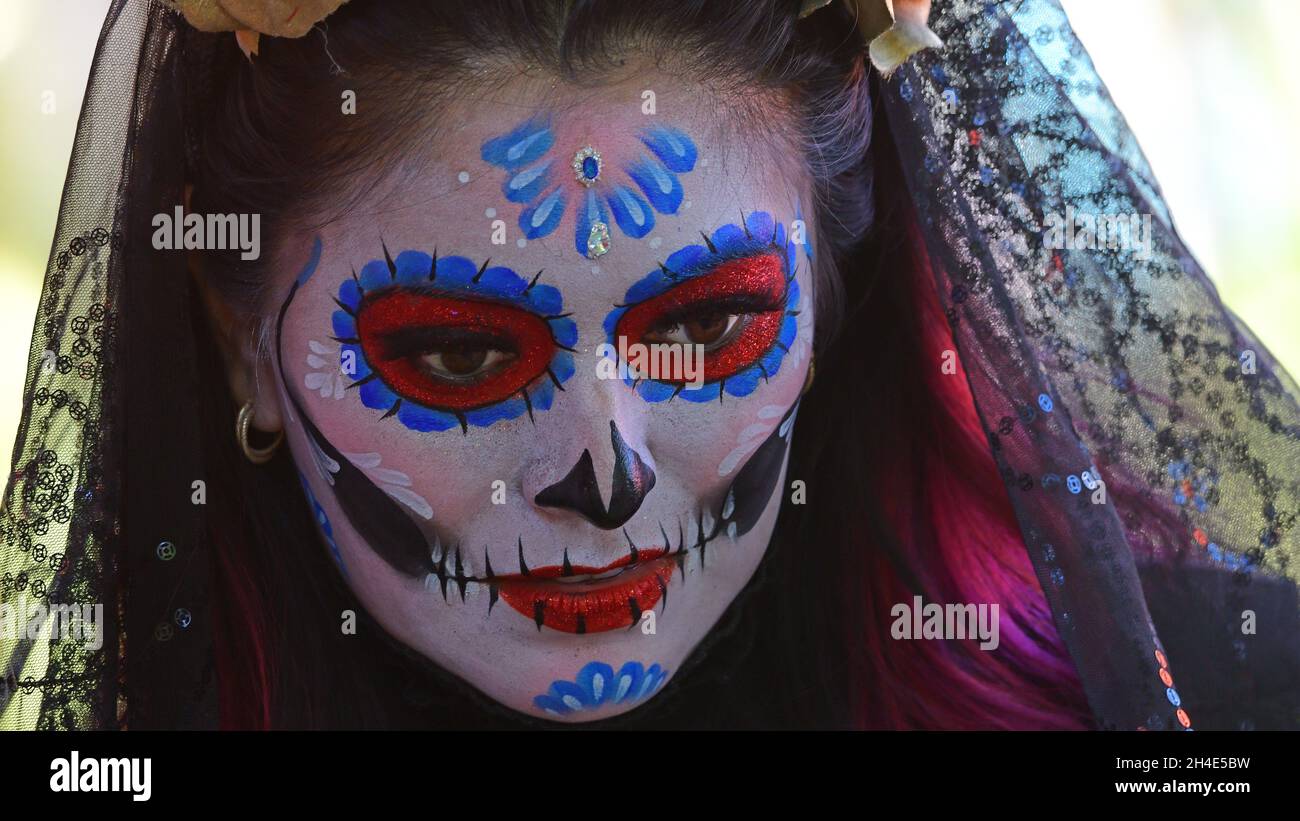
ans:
(891, 447)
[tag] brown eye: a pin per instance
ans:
(707, 330)
(461, 363)
(464, 362)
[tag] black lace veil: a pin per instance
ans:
(113, 322)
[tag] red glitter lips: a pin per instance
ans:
(581, 599)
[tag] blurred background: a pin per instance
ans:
(1211, 88)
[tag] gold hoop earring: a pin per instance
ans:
(808, 380)
(258, 456)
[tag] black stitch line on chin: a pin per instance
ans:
(460, 574)
(636, 555)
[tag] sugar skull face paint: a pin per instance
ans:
(545, 531)
(525, 154)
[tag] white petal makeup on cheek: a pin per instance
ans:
(750, 437)
(326, 376)
(325, 465)
(393, 482)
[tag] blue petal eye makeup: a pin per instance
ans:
(649, 183)
(734, 296)
(440, 343)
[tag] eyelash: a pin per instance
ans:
(397, 313)
(752, 265)
(739, 305)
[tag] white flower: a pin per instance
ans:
(326, 376)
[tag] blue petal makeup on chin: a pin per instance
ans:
(597, 684)
(757, 237)
(432, 293)
(649, 183)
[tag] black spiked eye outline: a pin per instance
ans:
(433, 265)
(784, 298)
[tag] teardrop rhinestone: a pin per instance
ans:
(598, 240)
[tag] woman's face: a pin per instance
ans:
(504, 497)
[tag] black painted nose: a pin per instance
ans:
(579, 492)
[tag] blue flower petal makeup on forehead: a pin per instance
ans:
(439, 342)
(733, 297)
(541, 181)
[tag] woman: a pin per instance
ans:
(516, 309)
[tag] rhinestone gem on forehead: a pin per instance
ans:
(586, 165)
(598, 241)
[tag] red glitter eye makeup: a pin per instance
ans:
(401, 331)
(733, 296)
(751, 289)
(439, 343)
